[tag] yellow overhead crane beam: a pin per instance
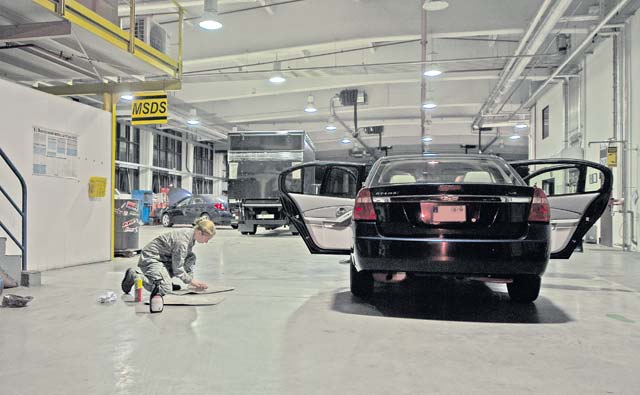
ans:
(85, 18)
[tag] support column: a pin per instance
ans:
(146, 159)
(187, 155)
(109, 103)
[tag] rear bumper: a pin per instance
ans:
(527, 255)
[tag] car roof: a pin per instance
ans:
(440, 156)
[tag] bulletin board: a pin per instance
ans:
(55, 153)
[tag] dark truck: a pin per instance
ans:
(255, 161)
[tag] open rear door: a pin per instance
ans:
(578, 193)
(318, 199)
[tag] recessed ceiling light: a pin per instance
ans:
(427, 139)
(193, 122)
(515, 137)
(330, 128)
(435, 5)
(521, 126)
(345, 141)
(127, 96)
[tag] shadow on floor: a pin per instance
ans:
(449, 300)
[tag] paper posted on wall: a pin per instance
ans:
(55, 153)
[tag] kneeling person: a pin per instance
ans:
(170, 255)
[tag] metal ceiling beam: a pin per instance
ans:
(35, 31)
(122, 87)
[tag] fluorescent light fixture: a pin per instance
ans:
(310, 107)
(427, 139)
(429, 105)
(277, 78)
(521, 126)
(433, 162)
(434, 5)
(210, 24)
(193, 122)
(345, 141)
(127, 96)
(514, 137)
(433, 71)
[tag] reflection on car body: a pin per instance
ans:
(471, 216)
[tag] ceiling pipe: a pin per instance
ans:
(423, 79)
(587, 41)
(534, 37)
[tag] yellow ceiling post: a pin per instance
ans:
(109, 101)
(132, 26)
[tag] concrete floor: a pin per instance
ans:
(292, 327)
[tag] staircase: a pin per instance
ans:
(11, 264)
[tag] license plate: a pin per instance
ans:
(265, 216)
(433, 213)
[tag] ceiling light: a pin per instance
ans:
(434, 5)
(521, 126)
(429, 105)
(277, 78)
(514, 137)
(427, 139)
(210, 16)
(331, 127)
(433, 71)
(127, 96)
(345, 141)
(193, 117)
(311, 107)
(210, 24)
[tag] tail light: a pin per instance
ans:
(219, 206)
(363, 210)
(540, 211)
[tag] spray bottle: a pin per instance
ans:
(156, 301)
(139, 290)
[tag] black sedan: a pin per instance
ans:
(469, 216)
(187, 210)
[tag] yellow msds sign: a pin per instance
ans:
(149, 108)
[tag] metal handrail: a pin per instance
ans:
(23, 212)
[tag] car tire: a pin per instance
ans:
(166, 221)
(524, 289)
(234, 226)
(361, 282)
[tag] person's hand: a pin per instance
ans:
(199, 284)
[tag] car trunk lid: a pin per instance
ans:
(453, 211)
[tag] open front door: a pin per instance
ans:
(318, 199)
(578, 193)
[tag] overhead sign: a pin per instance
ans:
(612, 156)
(149, 108)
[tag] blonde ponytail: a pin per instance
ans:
(205, 226)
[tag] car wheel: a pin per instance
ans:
(234, 226)
(166, 221)
(524, 289)
(361, 282)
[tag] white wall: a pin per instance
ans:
(65, 227)
(552, 145)
(634, 111)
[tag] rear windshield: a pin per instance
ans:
(445, 170)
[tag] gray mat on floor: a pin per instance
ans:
(211, 290)
(192, 300)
